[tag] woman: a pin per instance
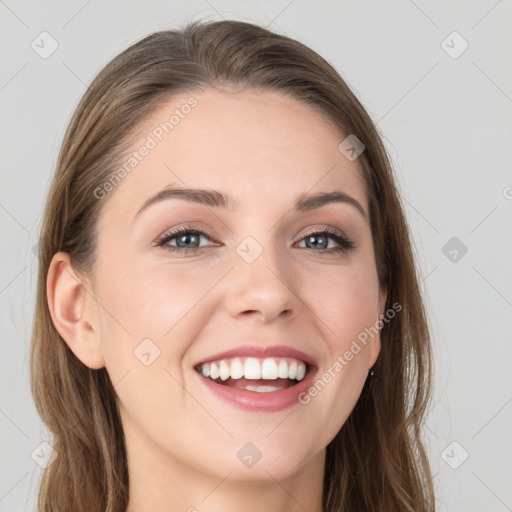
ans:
(228, 311)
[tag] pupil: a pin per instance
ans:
(185, 239)
(322, 245)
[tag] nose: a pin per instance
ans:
(263, 288)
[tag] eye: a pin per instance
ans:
(343, 243)
(187, 240)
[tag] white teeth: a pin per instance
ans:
(262, 389)
(236, 369)
(252, 368)
(269, 369)
(282, 371)
(301, 371)
(292, 370)
(224, 370)
(214, 371)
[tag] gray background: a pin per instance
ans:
(446, 121)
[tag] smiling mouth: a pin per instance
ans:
(261, 375)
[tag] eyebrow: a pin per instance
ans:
(216, 199)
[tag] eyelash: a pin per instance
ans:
(345, 244)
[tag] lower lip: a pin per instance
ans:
(270, 401)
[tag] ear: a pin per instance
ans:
(74, 311)
(375, 345)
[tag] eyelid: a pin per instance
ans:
(328, 229)
(205, 231)
(200, 230)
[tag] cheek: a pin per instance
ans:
(160, 304)
(345, 300)
(147, 324)
(347, 306)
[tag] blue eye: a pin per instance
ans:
(187, 240)
(344, 244)
(183, 237)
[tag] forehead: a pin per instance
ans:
(258, 147)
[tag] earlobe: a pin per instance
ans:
(73, 311)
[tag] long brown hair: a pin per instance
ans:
(377, 461)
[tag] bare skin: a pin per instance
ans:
(265, 150)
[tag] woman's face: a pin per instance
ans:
(252, 275)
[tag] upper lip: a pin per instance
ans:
(260, 351)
